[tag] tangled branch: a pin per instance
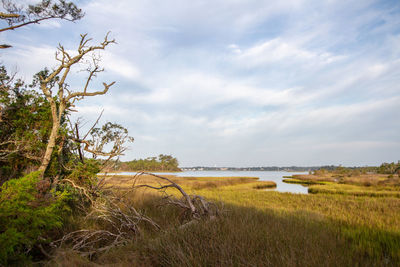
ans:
(119, 220)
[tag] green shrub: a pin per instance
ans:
(85, 173)
(28, 212)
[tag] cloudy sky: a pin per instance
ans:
(239, 82)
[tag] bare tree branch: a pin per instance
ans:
(66, 97)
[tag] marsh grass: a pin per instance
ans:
(244, 237)
(126, 181)
(354, 190)
(262, 228)
(311, 177)
(360, 179)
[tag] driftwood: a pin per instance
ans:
(194, 205)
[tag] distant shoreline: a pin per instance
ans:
(142, 171)
(271, 168)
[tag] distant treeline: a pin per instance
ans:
(160, 163)
(389, 168)
(384, 168)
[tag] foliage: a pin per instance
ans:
(28, 212)
(109, 135)
(389, 168)
(24, 126)
(19, 15)
(162, 163)
(84, 173)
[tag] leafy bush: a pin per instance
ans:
(28, 212)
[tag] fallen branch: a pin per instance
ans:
(196, 205)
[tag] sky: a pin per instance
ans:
(237, 82)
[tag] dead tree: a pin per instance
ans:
(56, 91)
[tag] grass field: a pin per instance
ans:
(260, 228)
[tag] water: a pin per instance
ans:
(277, 177)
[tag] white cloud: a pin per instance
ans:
(120, 66)
(49, 24)
(279, 51)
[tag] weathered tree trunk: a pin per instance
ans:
(50, 146)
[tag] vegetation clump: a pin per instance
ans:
(29, 214)
(264, 185)
(304, 182)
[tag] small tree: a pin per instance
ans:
(107, 141)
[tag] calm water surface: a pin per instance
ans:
(263, 175)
